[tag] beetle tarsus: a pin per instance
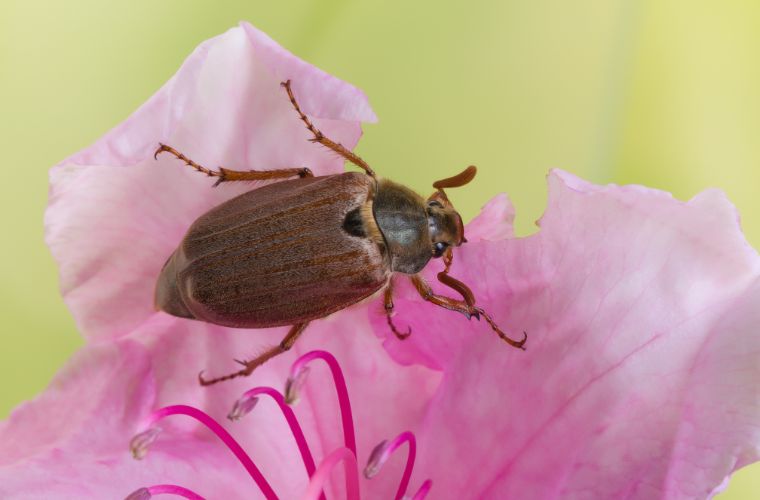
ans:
(514, 343)
(241, 373)
(400, 335)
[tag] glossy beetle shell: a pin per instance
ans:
(277, 255)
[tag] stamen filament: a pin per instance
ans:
(320, 477)
(168, 489)
(295, 427)
(349, 437)
(382, 453)
(423, 491)
(222, 434)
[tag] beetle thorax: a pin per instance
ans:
(400, 214)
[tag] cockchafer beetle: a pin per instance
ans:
(297, 250)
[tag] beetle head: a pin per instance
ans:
(444, 222)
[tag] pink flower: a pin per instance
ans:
(640, 378)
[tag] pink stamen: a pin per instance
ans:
(295, 427)
(222, 434)
(349, 437)
(320, 477)
(382, 453)
(167, 489)
(423, 491)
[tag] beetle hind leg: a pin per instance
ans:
(320, 137)
(259, 360)
(226, 175)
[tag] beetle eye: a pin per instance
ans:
(439, 248)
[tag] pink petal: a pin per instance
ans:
(80, 427)
(109, 384)
(494, 222)
(640, 378)
(71, 441)
(111, 229)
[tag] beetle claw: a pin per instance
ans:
(161, 148)
(405, 335)
(474, 313)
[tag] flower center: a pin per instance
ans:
(318, 475)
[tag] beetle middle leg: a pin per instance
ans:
(388, 302)
(226, 175)
(469, 310)
(259, 360)
(320, 137)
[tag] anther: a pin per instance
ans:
(294, 385)
(163, 489)
(376, 460)
(242, 407)
(383, 452)
(140, 443)
(141, 494)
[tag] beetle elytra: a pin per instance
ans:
(300, 249)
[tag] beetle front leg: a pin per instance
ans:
(389, 313)
(251, 365)
(226, 175)
(441, 300)
(463, 307)
(454, 283)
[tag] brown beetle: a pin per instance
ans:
(298, 250)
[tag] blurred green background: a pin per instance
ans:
(664, 93)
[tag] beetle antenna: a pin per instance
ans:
(459, 180)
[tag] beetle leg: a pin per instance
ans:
(389, 314)
(454, 283)
(440, 300)
(463, 307)
(226, 175)
(284, 346)
(320, 138)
